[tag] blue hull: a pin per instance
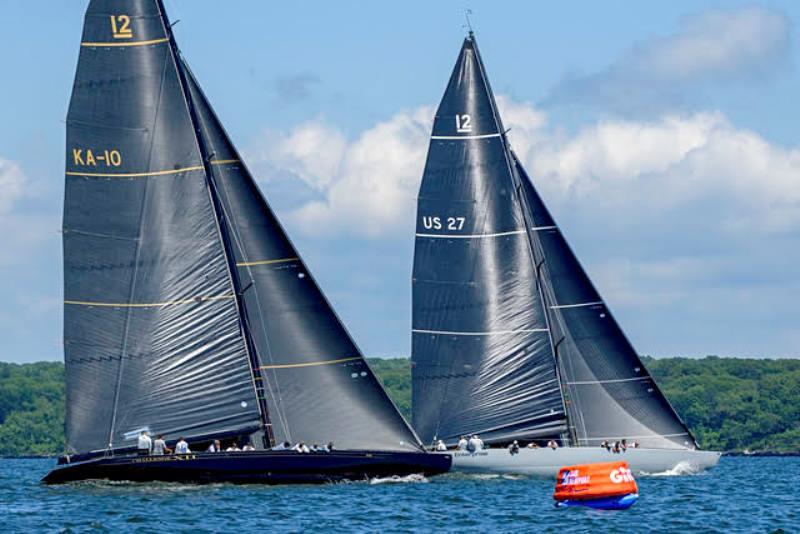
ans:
(254, 467)
(622, 502)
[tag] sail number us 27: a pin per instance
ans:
(434, 222)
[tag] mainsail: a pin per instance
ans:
(175, 313)
(481, 351)
(511, 340)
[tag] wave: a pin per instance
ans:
(683, 468)
(408, 479)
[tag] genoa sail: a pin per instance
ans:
(152, 336)
(482, 360)
(610, 393)
(318, 385)
(511, 339)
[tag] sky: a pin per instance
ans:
(664, 136)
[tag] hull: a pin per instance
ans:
(254, 467)
(545, 462)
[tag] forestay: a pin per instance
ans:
(481, 352)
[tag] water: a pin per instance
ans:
(740, 495)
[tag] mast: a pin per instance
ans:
(258, 379)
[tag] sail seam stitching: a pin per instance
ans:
(454, 137)
(611, 381)
(580, 305)
(119, 44)
(471, 236)
(265, 262)
(496, 332)
(196, 300)
(310, 364)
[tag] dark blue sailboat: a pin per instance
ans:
(188, 312)
(511, 340)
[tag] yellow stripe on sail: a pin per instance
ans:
(195, 300)
(309, 364)
(265, 262)
(224, 161)
(134, 174)
(130, 43)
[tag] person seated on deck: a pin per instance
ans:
(215, 446)
(145, 444)
(329, 447)
(315, 448)
(301, 447)
(462, 443)
(285, 446)
(182, 447)
(248, 447)
(233, 448)
(513, 448)
(553, 444)
(616, 447)
(635, 445)
(533, 445)
(160, 446)
(440, 446)
(623, 445)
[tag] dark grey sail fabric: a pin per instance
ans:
(610, 394)
(151, 330)
(318, 386)
(482, 361)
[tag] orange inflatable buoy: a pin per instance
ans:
(607, 486)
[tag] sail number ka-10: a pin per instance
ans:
(87, 157)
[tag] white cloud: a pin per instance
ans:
(745, 43)
(368, 185)
(12, 184)
(642, 169)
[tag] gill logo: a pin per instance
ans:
(620, 475)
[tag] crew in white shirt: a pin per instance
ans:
(145, 444)
(233, 448)
(475, 443)
(182, 447)
(248, 447)
(285, 446)
(160, 446)
(462, 443)
(440, 446)
(301, 447)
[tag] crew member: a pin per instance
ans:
(182, 447)
(462, 443)
(160, 446)
(440, 446)
(145, 444)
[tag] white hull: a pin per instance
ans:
(546, 462)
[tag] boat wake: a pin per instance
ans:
(408, 479)
(681, 469)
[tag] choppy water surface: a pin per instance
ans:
(741, 494)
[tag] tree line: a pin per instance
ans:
(730, 404)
